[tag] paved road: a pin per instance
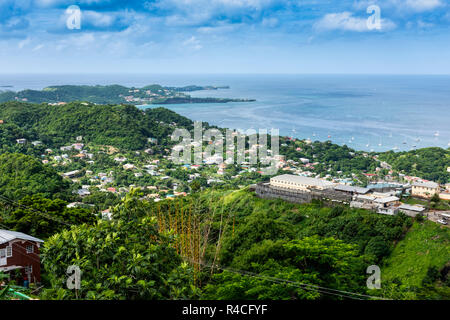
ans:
(435, 215)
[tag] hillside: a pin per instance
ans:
(427, 163)
(22, 175)
(405, 251)
(426, 246)
(237, 243)
(121, 126)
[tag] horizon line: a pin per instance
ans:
(224, 73)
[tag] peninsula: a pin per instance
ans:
(115, 94)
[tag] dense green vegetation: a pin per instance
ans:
(43, 217)
(427, 163)
(309, 261)
(117, 125)
(22, 175)
(332, 158)
(264, 229)
(126, 258)
(94, 94)
(425, 248)
(257, 249)
(373, 235)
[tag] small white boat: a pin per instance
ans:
(436, 134)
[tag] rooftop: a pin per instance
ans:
(342, 187)
(411, 208)
(429, 184)
(303, 180)
(386, 200)
(7, 235)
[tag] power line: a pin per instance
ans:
(325, 290)
(305, 286)
(46, 215)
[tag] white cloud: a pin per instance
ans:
(414, 5)
(24, 42)
(347, 22)
(423, 24)
(38, 47)
(342, 21)
(98, 19)
(193, 42)
(220, 29)
(270, 22)
(423, 5)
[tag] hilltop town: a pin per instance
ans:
(83, 173)
(94, 169)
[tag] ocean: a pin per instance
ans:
(365, 112)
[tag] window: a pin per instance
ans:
(2, 253)
(28, 269)
(8, 251)
(30, 248)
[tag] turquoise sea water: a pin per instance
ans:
(366, 112)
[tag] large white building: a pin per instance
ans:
(294, 182)
(425, 189)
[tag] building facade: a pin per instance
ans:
(425, 189)
(289, 181)
(19, 251)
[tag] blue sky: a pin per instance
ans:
(225, 36)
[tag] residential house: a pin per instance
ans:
(411, 210)
(387, 201)
(128, 166)
(19, 251)
(82, 192)
(71, 174)
(66, 148)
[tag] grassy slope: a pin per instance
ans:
(426, 244)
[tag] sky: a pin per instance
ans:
(225, 36)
